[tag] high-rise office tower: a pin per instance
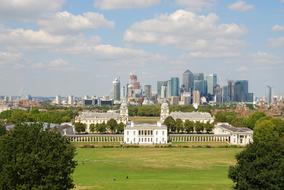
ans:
(188, 80)
(218, 91)
(198, 76)
(58, 100)
(116, 89)
(174, 86)
(159, 86)
(164, 91)
(70, 100)
(169, 89)
(148, 91)
(196, 97)
(268, 94)
(231, 93)
(211, 83)
(241, 91)
(200, 85)
(225, 94)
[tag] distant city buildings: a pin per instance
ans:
(116, 90)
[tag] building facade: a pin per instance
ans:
(238, 135)
(145, 134)
(202, 117)
(188, 80)
(116, 89)
(89, 118)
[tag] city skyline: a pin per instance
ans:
(79, 48)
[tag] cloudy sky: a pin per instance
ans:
(78, 47)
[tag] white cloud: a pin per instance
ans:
(278, 28)
(276, 42)
(7, 57)
(202, 35)
(124, 4)
(241, 6)
(57, 64)
(265, 58)
(38, 39)
(196, 5)
(22, 37)
(27, 9)
(65, 22)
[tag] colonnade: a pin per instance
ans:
(199, 138)
(96, 138)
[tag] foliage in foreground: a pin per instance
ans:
(31, 158)
(261, 165)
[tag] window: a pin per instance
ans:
(162, 139)
(134, 132)
(163, 132)
(156, 132)
(127, 139)
(127, 132)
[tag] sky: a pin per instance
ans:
(72, 47)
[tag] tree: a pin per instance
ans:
(33, 158)
(199, 127)
(92, 128)
(225, 117)
(170, 123)
(112, 125)
(101, 128)
(208, 127)
(189, 126)
(120, 127)
(261, 165)
(2, 129)
(253, 118)
(179, 126)
(80, 127)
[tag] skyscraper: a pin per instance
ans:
(231, 93)
(268, 94)
(241, 91)
(211, 83)
(188, 80)
(159, 86)
(196, 98)
(147, 91)
(116, 89)
(200, 85)
(174, 86)
(198, 76)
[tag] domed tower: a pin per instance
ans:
(165, 111)
(124, 112)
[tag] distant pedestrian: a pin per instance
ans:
(126, 177)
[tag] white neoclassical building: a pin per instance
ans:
(238, 135)
(88, 117)
(202, 117)
(145, 134)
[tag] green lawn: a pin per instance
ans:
(154, 168)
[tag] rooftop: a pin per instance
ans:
(234, 129)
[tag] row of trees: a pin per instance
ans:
(232, 118)
(111, 126)
(261, 165)
(34, 115)
(178, 126)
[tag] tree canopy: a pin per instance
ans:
(261, 165)
(31, 158)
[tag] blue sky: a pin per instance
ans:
(78, 47)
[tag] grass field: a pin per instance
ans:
(139, 119)
(154, 168)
